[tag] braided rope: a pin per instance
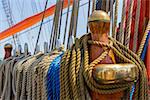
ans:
(24, 79)
(45, 70)
(62, 82)
(143, 83)
(72, 74)
(5, 93)
(137, 18)
(129, 22)
(123, 19)
(64, 78)
(143, 40)
(79, 78)
(35, 81)
(107, 5)
(115, 19)
(85, 70)
(38, 72)
(29, 80)
(44, 63)
(19, 75)
(5, 76)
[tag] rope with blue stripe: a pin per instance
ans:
(53, 82)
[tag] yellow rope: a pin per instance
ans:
(143, 39)
(83, 73)
(64, 78)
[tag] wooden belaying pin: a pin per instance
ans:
(99, 24)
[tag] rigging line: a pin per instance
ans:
(53, 26)
(111, 15)
(59, 30)
(56, 24)
(44, 31)
(89, 5)
(30, 41)
(66, 24)
(123, 19)
(49, 24)
(76, 17)
(129, 22)
(115, 19)
(93, 6)
(35, 10)
(71, 24)
(41, 26)
(137, 18)
(107, 6)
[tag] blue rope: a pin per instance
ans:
(145, 47)
(132, 92)
(53, 82)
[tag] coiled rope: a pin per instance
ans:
(76, 61)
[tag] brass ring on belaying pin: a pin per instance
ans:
(115, 73)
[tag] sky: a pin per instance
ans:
(22, 9)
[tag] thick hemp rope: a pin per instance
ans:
(143, 39)
(72, 79)
(129, 22)
(137, 18)
(115, 19)
(123, 19)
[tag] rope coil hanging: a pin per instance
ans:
(72, 56)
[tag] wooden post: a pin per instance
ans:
(99, 24)
(8, 50)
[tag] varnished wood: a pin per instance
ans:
(99, 32)
(8, 50)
